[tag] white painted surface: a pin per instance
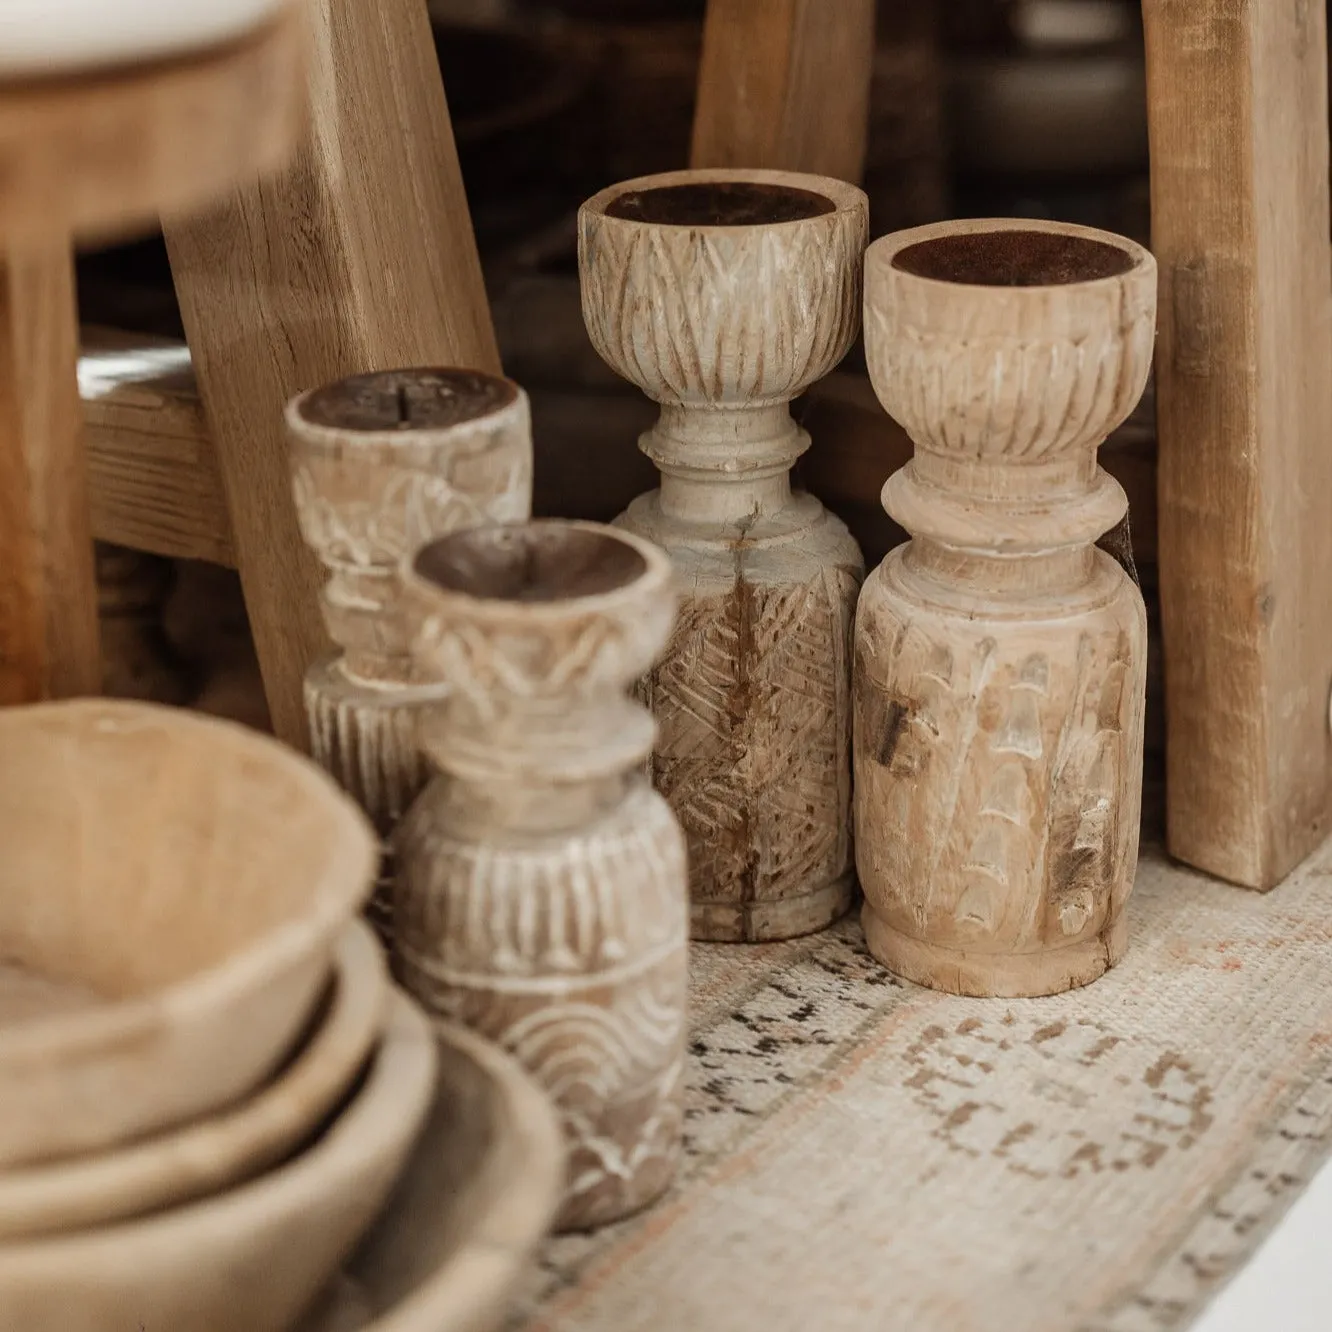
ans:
(1287, 1285)
(40, 38)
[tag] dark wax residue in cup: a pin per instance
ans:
(719, 203)
(407, 400)
(1013, 259)
(538, 562)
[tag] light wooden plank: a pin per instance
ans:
(1237, 94)
(48, 593)
(152, 472)
(362, 257)
(785, 83)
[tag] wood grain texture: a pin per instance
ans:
(1240, 218)
(153, 477)
(48, 593)
(360, 258)
(1000, 660)
(785, 84)
(105, 151)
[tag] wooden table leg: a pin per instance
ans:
(785, 84)
(48, 592)
(360, 258)
(1237, 106)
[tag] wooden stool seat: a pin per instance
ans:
(49, 38)
(91, 155)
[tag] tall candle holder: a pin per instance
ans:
(381, 464)
(541, 895)
(723, 294)
(1000, 658)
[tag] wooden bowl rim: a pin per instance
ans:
(184, 1164)
(342, 888)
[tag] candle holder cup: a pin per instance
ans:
(382, 463)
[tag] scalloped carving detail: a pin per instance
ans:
(698, 316)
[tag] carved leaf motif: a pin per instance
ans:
(1085, 797)
(701, 316)
(750, 751)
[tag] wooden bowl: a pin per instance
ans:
(250, 1259)
(475, 1199)
(58, 38)
(219, 1152)
(172, 891)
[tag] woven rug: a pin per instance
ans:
(864, 1154)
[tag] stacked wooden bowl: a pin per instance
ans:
(210, 1087)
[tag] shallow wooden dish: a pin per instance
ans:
(250, 1259)
(172, 891)
(224, 1150)
(475, 1199)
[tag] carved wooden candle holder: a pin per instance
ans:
(1000, 658)
(381, 464)
(723, 294)
(542, 894)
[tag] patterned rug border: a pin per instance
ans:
(1221, 1232)
(1247, 1206)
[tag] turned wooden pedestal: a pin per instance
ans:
(1000, 668)
(723, 294)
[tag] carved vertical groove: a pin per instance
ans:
(367, 742)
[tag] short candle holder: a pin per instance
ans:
(541, 895)
(381, 464)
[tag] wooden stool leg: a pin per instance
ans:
(360, 258)
(1237, 109)
(48, 593)
(785, 84)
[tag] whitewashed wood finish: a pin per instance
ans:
(723, 325)
(369, 490)
(1000, 665)
(542, 894)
